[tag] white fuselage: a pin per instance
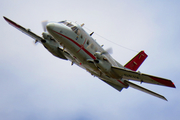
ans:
(84, 50)
(69, 41)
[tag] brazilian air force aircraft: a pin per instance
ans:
(69, 41)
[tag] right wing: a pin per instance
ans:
(145, 90)
(137, 76)
(24, 30)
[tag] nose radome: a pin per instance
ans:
(50, 27)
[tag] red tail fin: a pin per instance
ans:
(134, 63)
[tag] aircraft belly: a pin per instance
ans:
(81, 56)
(115, 83)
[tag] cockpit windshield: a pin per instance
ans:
(66, 23)
(61, 22)
(69, 24)
(73, 27)
(76, 30)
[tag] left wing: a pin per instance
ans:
(137, 76)
(24, 30)
(51, 45)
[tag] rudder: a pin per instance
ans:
(135, 62)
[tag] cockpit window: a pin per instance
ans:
(76, 30)
(69, 24)
(61, 22)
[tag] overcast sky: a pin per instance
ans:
(34, 85)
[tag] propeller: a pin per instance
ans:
(107, 51)
(102, 63)
(44, 23)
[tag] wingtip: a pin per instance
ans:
(165, 99)
(11, 22)
(174, 85)
(4, 17)
(164, 82)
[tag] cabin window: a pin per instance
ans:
(87, 42)
(81, 37)
(77, 38)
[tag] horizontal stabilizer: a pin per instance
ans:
(135, 62)
(145, 90)
(141, 77)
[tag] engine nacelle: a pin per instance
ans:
(47, 36)
(102, 63)
(52, 46)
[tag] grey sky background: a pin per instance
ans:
(36, 85)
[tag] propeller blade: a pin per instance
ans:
(44, 23)
(107, 51)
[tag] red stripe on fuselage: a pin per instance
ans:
(82, 46)
(86, 51)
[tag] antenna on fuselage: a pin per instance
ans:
(111, 41)
(91, 34)
(82, 25)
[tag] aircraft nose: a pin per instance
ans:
(50, 27)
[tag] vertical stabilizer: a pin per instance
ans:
(134, 63)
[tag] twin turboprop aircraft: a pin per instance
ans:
(69, 41)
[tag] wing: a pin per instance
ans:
(24, 30)
(145, 90)
(137, 76)
(51, 45)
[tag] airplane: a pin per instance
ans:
(69, 41)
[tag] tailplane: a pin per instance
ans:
(145, 90)
(135, 62)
